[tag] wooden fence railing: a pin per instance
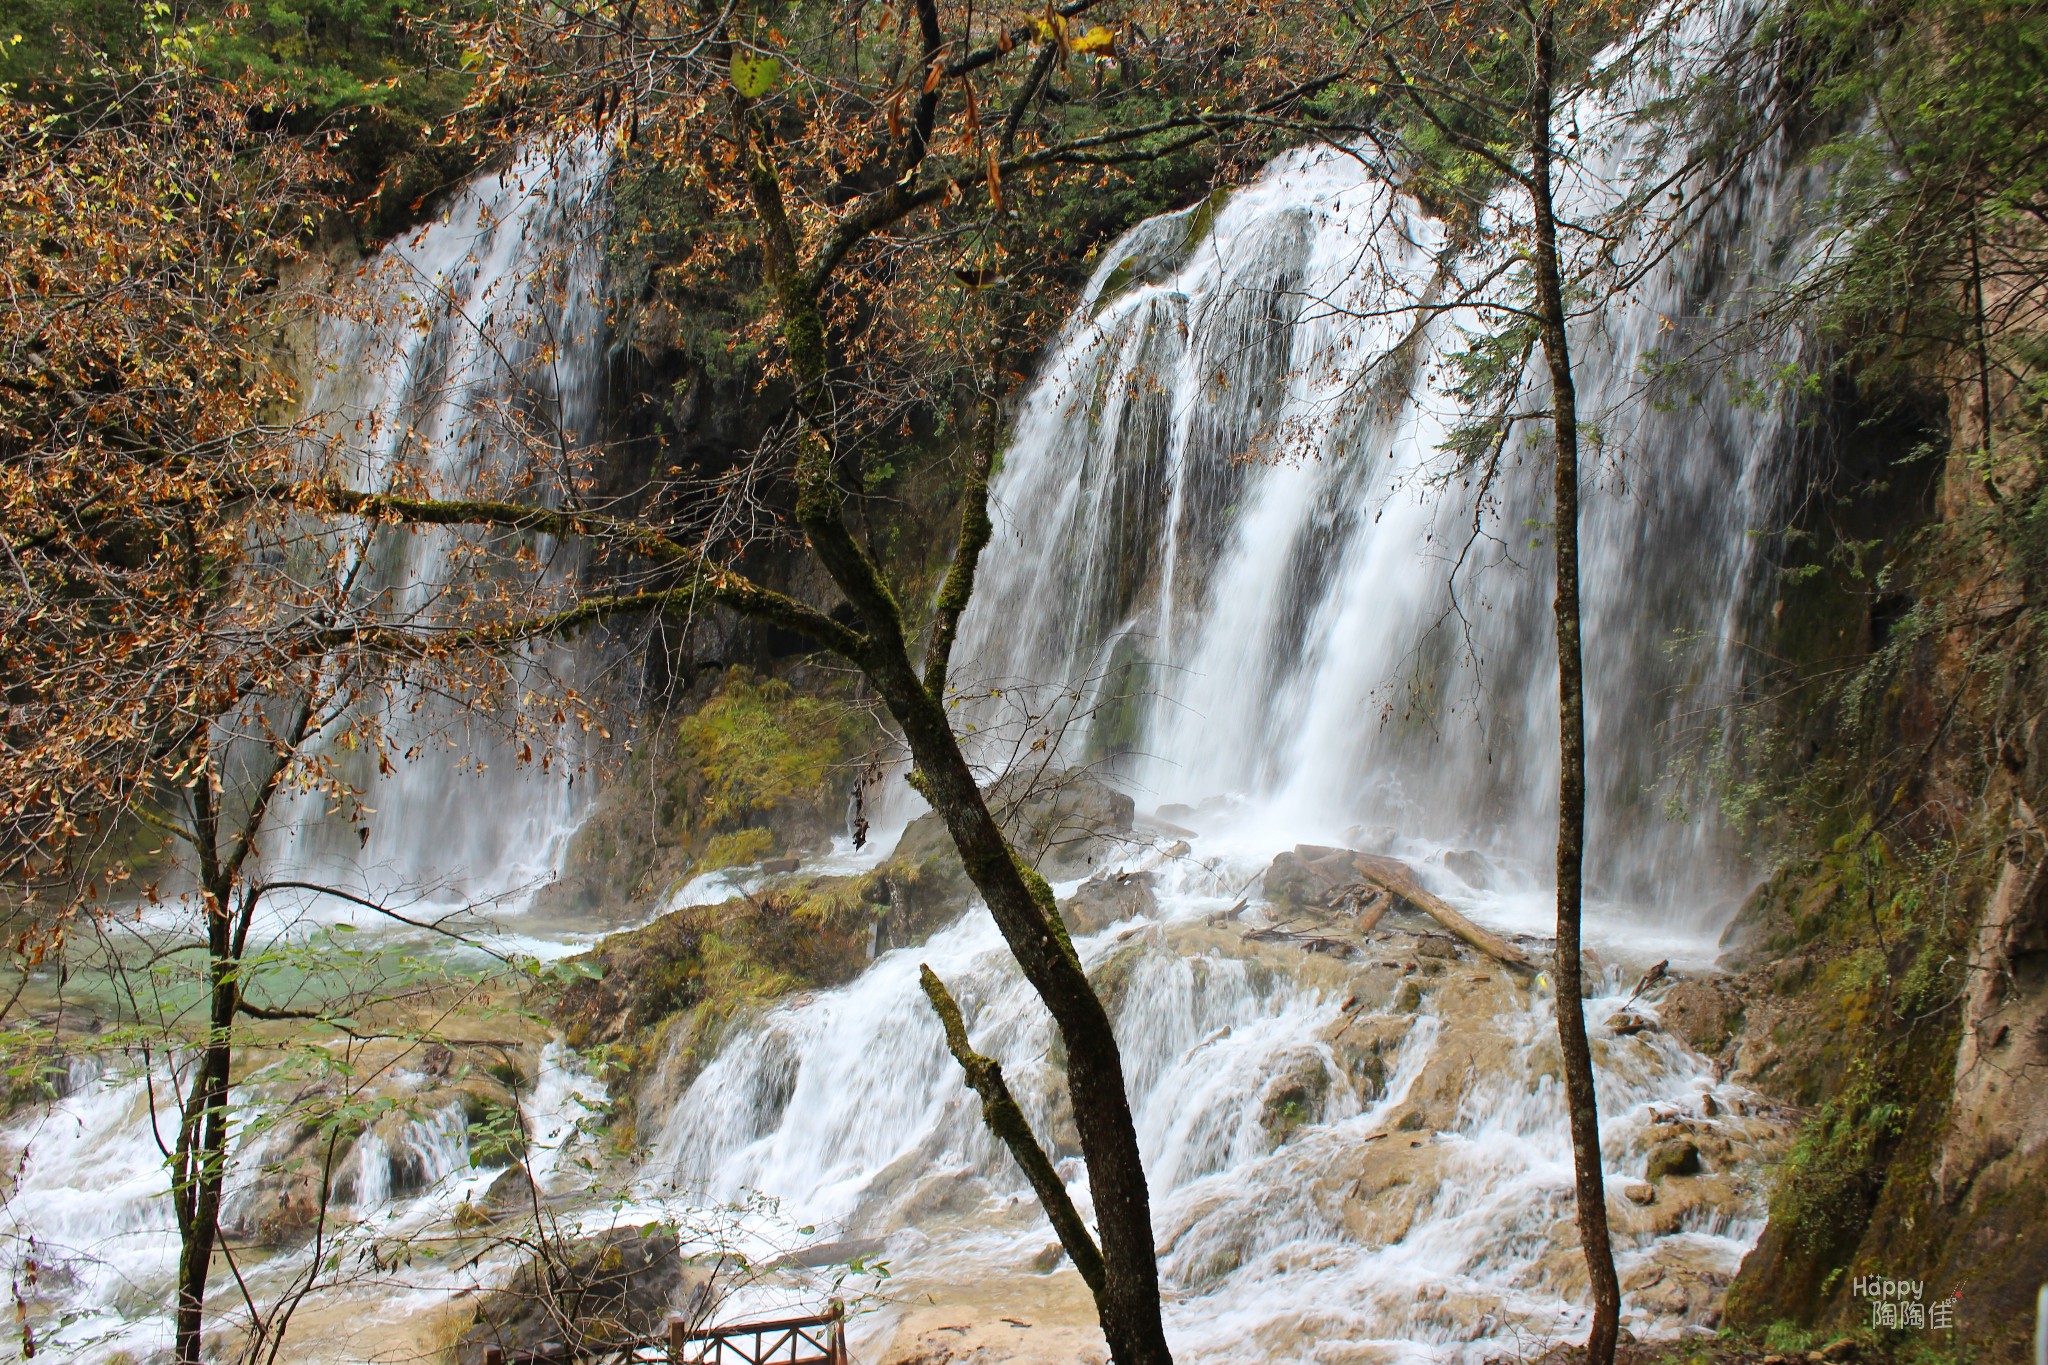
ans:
(819, 1339)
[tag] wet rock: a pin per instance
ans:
(1678, 1283)
(1706, 1014)
(1310, 877)
(810, 931)
(510, 1194)
(1395, 1181)
(590, 1296)
(1048, 1258)
(635, 979)
(779, 867)
(1436, 946)
(1640, 1193)
(1471, 868)
(834, 1253)
(1064, 824)
(1294, 1099)
(1365, 1048)
(1625, 1024)
(1676, 1156)
(1111, 977)
(1104, 899)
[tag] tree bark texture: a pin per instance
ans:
(1018, 898)
(1580, 1097)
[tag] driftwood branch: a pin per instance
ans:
(999, 1110)
(1393, 876)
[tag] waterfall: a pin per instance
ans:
(467, 356)
(1235, 568)
(1228, 534)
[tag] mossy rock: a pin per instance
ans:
(1112, 976)
(749, 768)
(1294, 1099)
(1675, 1157)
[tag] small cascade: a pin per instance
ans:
(393, 1162)
(1334, 1157)
(89, 1207)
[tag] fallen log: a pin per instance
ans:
(1314, 943)
(1371, 910)
(1394, 877)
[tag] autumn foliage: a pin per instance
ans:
(143, 241)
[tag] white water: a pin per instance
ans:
(453, 362)
(1231, 490)
(1234, 565)
(844, 1109)
(1229, 478)
(88, 1203)
(465, 358)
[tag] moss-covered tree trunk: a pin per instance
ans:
(1019, 899)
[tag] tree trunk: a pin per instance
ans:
(199, 1165)
(1024, 910)
(1591, 1188)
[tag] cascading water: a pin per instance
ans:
(467, 358)
(452, 358)
(1338, 1172)
(1234, 567)
(1227, 482)
(1275, 588)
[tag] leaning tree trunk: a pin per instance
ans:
(1018, 899)
(1022, 904)
(1591, 1188)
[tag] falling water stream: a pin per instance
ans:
(1233, 555)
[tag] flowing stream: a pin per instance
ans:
(1235, 570)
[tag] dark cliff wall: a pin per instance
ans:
(1892, 972)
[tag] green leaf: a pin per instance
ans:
(754, 76)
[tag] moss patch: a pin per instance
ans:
(752, 769)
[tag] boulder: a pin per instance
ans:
(1064, 824)
(1105, 898)
(1309, 877)
(1626, 1024)
(1676, 1156)
(1471, 868)
(588, 1297)
(1706, 1014)
(511, 1193)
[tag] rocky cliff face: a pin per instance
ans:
(1891, 976)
